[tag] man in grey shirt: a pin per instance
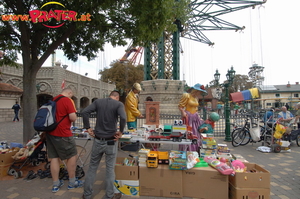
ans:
(106, 134)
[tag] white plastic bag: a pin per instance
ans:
(255, 132)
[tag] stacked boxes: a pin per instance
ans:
(143, 154)
(209, 147)
(178, 160)
(223, 152)
(127, 176)
(254, 184)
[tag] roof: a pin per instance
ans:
(279, 88)
(4, 87)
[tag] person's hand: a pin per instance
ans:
(118, 135)
(141, 116)
(91, 132)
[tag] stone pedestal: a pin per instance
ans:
(166, 92)
(152, 113)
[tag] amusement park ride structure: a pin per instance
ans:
(161, 60)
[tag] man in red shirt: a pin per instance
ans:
(61, 144)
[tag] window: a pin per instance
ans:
(277, 95)
(269, 104)
(296, 95)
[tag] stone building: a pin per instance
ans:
(48, 83)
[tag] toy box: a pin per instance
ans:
(6, 158)
(256, 177)
(124, 172)
(253, 193)
(127, 187)
(177, 160)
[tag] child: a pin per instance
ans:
(208, 126)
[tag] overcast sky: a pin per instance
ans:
(270, 39)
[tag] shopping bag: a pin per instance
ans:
(279, 131)
(255, 132)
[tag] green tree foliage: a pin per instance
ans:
(111, 21)
(123, 75)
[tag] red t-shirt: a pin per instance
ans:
(64, 106)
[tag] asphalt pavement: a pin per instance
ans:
(284, 168)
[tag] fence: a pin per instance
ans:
(219, 130)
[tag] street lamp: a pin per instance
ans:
(230, 76)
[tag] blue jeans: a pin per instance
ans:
(99, 148)
(16, 116)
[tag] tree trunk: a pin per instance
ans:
(29, 102)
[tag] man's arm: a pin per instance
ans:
(86, 114)
(122, 114)
(72, 117)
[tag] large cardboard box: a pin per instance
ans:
(204, 183)
(161, 182)
(5, 158)
(261, 178)
(4, 169)
(251, 193)
(126, 172)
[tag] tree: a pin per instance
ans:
(123, 75)
(55, 25)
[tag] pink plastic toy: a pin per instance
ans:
(220, 166)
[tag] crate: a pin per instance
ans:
(129, 146)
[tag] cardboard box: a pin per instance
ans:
(4, 170)
(126, 172)
(253, 193)
(5, 158)
(260, 179)
(161, 182)
(204, 183)
(127, 187)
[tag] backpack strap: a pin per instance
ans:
(56, 100)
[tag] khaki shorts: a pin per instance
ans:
(60, 147)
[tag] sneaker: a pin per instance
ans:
(56, 188)
(78, 183)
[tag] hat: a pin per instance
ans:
(199, 87)
(214, 116)
(137, 86)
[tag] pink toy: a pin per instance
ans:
(220, 166)
(238, 166)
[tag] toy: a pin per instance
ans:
(220, 166)
(238, 166)
(157, 157)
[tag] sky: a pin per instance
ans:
(270, 39)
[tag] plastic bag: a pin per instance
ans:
(255, 133)
(279, 131)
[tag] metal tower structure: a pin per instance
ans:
(161, 60)
(256, 74)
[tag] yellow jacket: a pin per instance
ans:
(131, 107)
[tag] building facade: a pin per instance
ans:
(49, 84)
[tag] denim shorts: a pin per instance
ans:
(61, 147)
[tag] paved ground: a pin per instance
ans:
(284, 168)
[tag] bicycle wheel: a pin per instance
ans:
(247, 137)
(237, 137)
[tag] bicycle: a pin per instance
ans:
(241, 136)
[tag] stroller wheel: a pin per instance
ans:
(276, 148)
(47, 165)
(35, 163)
(18, 174)
(298, 140)
(11, 172)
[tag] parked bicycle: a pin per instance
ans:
(241, 136)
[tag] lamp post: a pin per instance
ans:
(230, 76)
(203, 105)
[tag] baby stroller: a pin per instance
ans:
(294, 135)
(31, 154)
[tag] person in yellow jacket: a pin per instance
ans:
(131, 106)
